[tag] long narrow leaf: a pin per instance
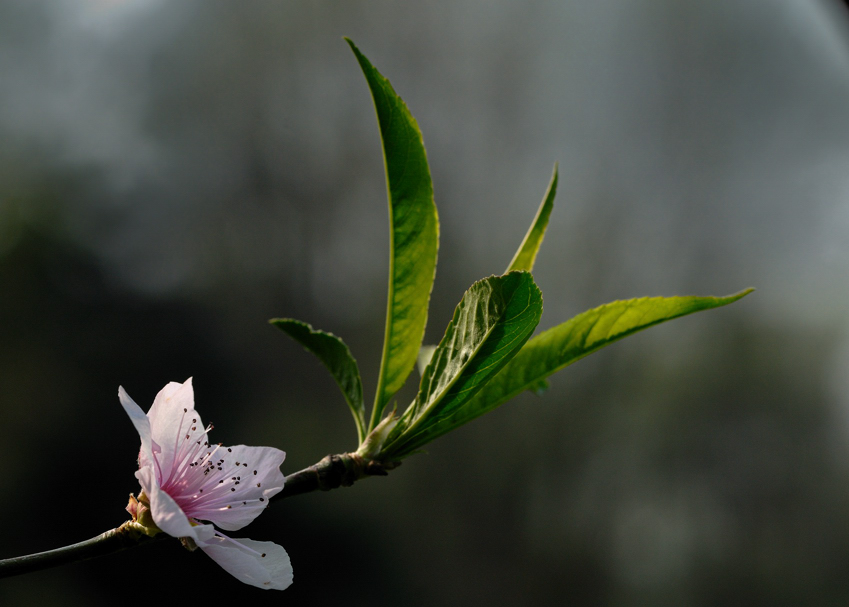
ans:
(562, 345)
(527, 254)
(492, 322)
(414, 235)
(335, 355)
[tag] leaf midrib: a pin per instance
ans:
(422, 414)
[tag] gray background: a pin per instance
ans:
(174, 174)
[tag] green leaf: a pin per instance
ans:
(414, 235)
(562, 345)
(493, 320)
(335, 355)
(425, 354)
(527, 253)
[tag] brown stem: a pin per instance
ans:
(332, 472)
(111, 541)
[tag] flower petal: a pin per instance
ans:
(242, 559)
(174, 396)
(167, 515)
(142, 424)
(258, 471)
(171, 418)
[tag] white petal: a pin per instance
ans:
(171, 418)
(167, 515)
(173, 395)
(241, 559)
(268, 481)
(140, 421)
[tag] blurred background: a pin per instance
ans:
(173, 174)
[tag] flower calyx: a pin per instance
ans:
(139, 509)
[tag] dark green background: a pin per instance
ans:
(172, 175)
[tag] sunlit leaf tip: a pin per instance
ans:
(526, 255)
(588, 332)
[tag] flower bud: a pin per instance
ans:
(373, 444)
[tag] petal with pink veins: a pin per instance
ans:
(257, 470)
(171, 418)
(167, 515)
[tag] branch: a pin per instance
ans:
(331, 472)
(114, 540)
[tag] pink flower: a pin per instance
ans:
(187, 480)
